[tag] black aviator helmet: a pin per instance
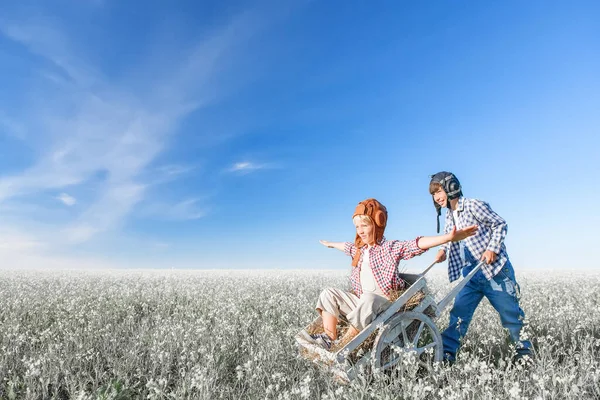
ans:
(451, 186)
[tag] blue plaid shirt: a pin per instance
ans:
(489, 236)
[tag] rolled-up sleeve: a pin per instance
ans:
(405, 249)
(349, 249)
(484, 213)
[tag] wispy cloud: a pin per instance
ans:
(49, 42)
(185, 210)
(168, 173)
(245, 167)
(16, 242)
(93, 127)
(174, 169)
(66, 199)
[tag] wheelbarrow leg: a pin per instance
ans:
(408, 334)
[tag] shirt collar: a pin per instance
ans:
(383, 239)
(461, 204)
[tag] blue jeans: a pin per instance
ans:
(503, 294)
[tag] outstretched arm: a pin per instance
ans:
(333, 245)
(455, 235)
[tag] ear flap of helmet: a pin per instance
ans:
(451, 186)
(380, 218)
(449, 182)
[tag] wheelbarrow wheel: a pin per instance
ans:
(408, 338)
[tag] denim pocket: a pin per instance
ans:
(507, 276)
(508, 273)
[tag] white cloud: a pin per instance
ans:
(247, 167)
(186, 210)
(67, 199)
(43, 39)
(11, 243)
(28, 260)
(168, 173)
(174, 169)
(80, 232)
(107, 212)
(90, 126)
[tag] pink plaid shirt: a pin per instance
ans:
(384, 259)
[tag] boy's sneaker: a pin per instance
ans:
(448, 360)
(320, 339)
(523, 360)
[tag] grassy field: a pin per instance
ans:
(230, 335)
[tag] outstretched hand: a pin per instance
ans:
(459, 234)
(326, 243)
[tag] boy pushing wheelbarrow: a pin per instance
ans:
(496, 279)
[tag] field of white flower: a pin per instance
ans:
(230, 335)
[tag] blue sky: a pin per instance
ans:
(237, 134)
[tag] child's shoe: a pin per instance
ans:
(323, 340)
(320, 339)
(448, 360)
(524, 360)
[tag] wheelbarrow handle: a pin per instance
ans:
(427, 269)
(454, 292)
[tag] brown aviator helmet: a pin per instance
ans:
(378, 214)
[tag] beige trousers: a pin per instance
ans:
(358, 311)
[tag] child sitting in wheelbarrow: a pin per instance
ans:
(374, 274)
